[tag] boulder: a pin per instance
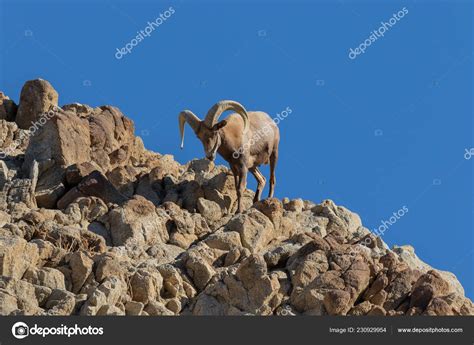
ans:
(8, 108)
(46, 276)
(273, 209)
(24, 293)
(279, 255)
(255, 229)
(428, 287)
(133, 308)
(110, 292)
(310, 298)
(210, 210)
(224, 240)
(70, 238)
(37, 98)
(75, 173)
(16, 256)
(406, 254)
(81, 267)
(146, 285)
(198, 263)
(62, 141)
(399, 288)
(109, 266)
(337, 302)
(164, 253)
(93, 185)
(112, 139)
(155, 308)
(8, 303)
(249, 289)
(60, 303)
(221, 190)
(138, 222)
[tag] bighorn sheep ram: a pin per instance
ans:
(244, 139)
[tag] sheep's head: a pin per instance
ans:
(210, 138)
(208, 130)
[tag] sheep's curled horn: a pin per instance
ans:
(212, 116)
(222, 106)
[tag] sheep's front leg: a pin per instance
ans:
(241, 185)
(261, 183)
(235, 172)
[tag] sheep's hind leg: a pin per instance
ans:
(273, 162)
(261, 180)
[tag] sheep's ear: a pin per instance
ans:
(219, 125)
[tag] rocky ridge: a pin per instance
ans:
(92, 223)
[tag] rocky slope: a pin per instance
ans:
(91, 223)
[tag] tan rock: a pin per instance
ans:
(24, 292)
(199, 269)
(399, 288)
(8, 108)
(37, 97)
(62, 141)
(60, 302)
(133, 308)
(310, 299)
(249, 289)
(224, 240)
(296, 205)
(110, 310)
(109, 266)
(209, 209)
(427, 287)
(138, 222)
(273, 209)
(81, 267)
(146, 285)
(155, 308)
(221, 190)
(109, 292)
(164, 253)
(361, 309)
(337, 302)
(8, 303)
(46, 276)
(112, 139)
(16, 256)
(255, 229)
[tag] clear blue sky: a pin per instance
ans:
(376, 133)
